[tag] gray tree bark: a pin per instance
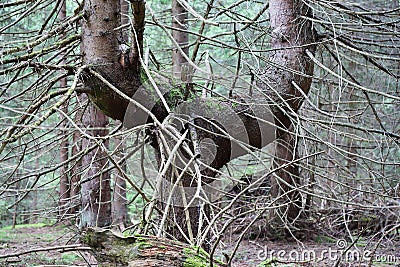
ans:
(179, 25)
(95, 185)
(290, 71)
(119, 203)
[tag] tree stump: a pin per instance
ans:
(113, 249)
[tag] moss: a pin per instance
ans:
(88, 238)
(194, 262)
(69, 258)
(143, 76)
(196, 257)
(201, 251)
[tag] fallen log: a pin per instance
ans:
(113, 249)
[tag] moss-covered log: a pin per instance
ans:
(113, 249)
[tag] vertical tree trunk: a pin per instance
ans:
(105, 53)
(120, 208)
(34, 207)
(179, 25)
(64, 146)
(125, 20)
(95, 189)
(138, 9)
(64, 197)
(291, 36)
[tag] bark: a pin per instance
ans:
(120, 208)
(291, 36)
(76, 168)
(95, 189)
(179, 24)
(124, 20)
(111, 249)
(103, 51)
(138, 8)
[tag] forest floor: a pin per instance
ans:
(250, 253)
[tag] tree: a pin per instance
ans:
(95, 186)
(293, 59)
(331, 146)
(286, 81)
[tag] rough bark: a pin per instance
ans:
(119, 204)
(138, 9)
(95, 187)
(179, 25)
(124, 20)
(103, 51)
(112, 249)
(290, 69)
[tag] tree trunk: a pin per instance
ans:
(95, 187)
(139, 11)
(64, 201)
(179, 32)
(75, 175)
(124, 20)
(290, 72)
(104, 51)
(111, 249)
(120, 208)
